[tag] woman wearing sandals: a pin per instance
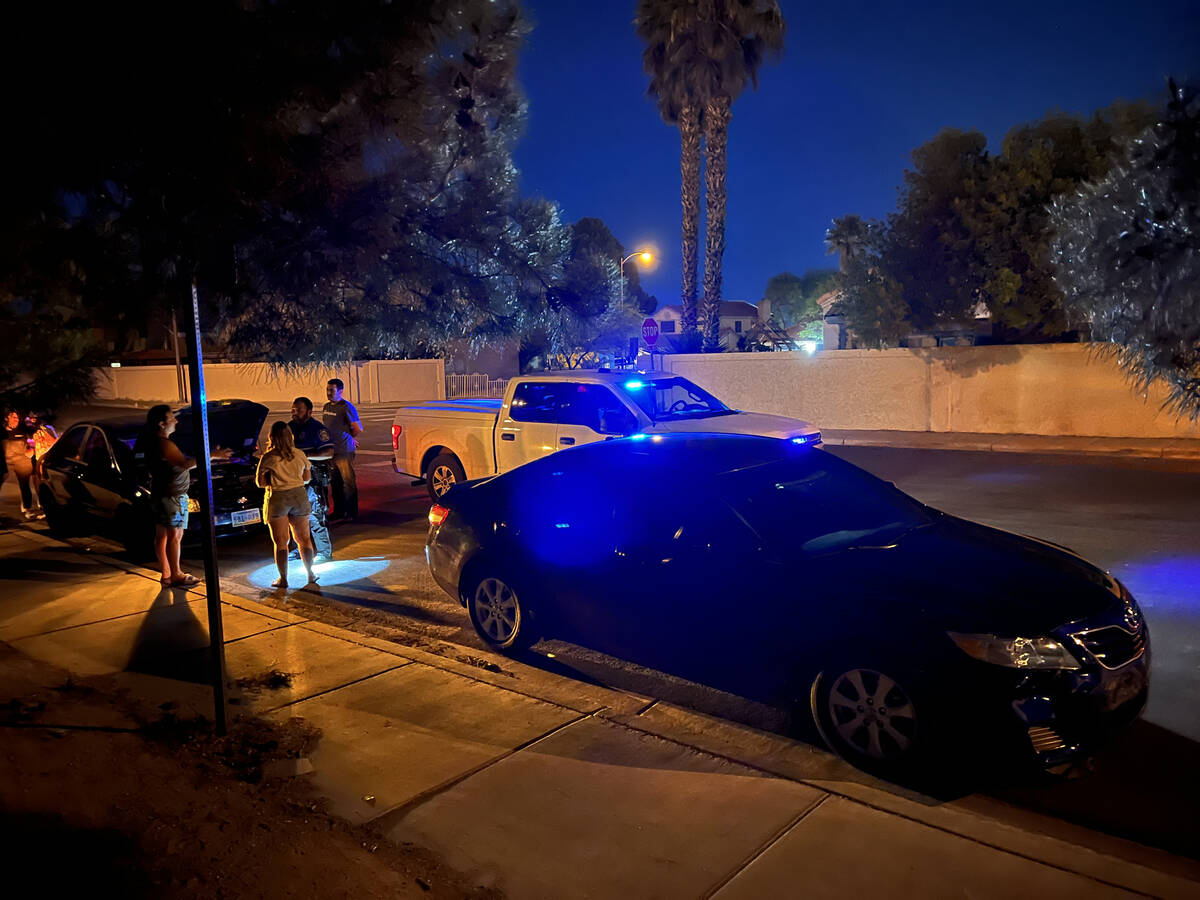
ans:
(170, 478)
(284, 471)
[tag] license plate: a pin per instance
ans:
(246, 517)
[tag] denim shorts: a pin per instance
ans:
(293, 502)
(172, 511)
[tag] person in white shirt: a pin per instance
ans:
(284, 472)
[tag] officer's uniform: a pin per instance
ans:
(311, 436)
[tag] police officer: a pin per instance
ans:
(315, 442)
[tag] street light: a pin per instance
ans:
(647, 257)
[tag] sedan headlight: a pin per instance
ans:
(1016, 653)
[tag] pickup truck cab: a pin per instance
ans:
(444, 442)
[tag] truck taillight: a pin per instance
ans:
(396, 430)
(437, 515)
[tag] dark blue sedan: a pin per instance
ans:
(782, 573)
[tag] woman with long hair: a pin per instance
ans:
(18, 459)
(284, 472)
(170, 471)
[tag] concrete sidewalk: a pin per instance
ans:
(544, 786)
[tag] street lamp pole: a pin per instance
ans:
(645, 253)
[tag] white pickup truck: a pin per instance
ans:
(443, 442)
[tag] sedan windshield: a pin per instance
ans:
(670, 399)
(816, 502)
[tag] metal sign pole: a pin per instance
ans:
(212, 585)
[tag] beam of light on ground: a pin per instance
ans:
(337, 571)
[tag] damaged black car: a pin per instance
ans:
(93, 483)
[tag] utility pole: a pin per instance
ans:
(208, 535)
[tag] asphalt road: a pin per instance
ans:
(1138, 519)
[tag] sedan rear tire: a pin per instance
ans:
(498, 613)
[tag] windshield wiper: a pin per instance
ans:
(880, 538)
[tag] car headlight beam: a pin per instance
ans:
(1016, 652)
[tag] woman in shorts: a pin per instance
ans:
(284, 472)
(170, 471)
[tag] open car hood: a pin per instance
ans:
(235, 424)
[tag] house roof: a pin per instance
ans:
(826, 300)
(739, 309)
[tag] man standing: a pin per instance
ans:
(344, 426)
(314, 441)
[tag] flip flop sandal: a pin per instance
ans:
(186, 581)
(279, 583)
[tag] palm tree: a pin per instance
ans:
(669, 27)
(847, 237)
(735, 38)
(700, 55)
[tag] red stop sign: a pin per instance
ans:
(650, 332)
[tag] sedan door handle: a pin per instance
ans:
(566, 440)
(508, 436)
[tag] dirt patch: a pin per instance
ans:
(102, 790)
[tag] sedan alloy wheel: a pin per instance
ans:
(496, 613)
(869, 714)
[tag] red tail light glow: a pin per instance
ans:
(437, 515)
(396, 430)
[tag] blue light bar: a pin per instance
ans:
(806, 439)
(634, 385)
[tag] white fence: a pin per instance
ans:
(366, 381)
(1048, 389)
(474, 385)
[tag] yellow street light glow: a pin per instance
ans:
(645, 255)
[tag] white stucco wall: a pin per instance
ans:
(1050, 389)
(371, 381)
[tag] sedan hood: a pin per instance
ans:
(973, 578)
(761, 424)
(235, 424)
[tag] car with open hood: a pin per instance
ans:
(899, 634)
(94, 481)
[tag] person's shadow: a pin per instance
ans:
(171, 642)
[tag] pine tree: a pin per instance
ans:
(336, 178)
(1127, 254)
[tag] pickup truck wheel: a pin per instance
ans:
(443, 473)
(498, 614)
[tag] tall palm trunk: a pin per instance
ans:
(716, 129)
(689, 165)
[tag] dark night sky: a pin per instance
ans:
(832, 125)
